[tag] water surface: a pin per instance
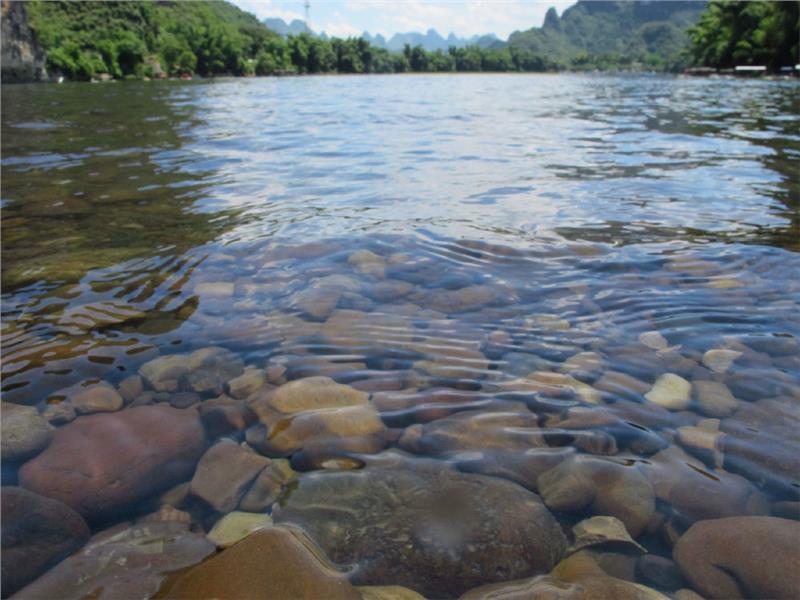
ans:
(546, 247)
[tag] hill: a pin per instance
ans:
(140, 38)
(283, 29)
(603, 34)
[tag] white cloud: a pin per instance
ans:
(265, 9)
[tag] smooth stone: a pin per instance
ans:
(583, 569)
(601, 530)
(742, 557)
(520, 466)
(273, 563)
(368, 263)
(102, 463)
(268, 486)
(702, 443)
(37, 533)
(660, 572)
(653, 340)
(714, 398)
(671, 392)
(122, 562)
(293, 432)
(59, 413)
(225, 473)
(131, 388)
(430, 529)
(184, 399)
(24, 432)
(168, 514)
(475, 430)
(236, 526)
(164, 374)
(621, 384)
(224, 415)
(720, 360)
(101, 397)
(210, 368)
(604, 486)
(696, 492)
(248, 383)
(315, 393)
(315, 301)
(546, 587)
(761, 443)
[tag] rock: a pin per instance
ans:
(389, 290)
(601, 530)
(761, 443)
(210, 368)
(164, 374)
(742, 557)
(268, 486)
(37, 533)
(248, 383)
(131, 388)
(101, 464)
(653, 340)
(621, 384)
(225, 473)
(604, 486)
(696, 492)
(660, 572)
(671, 392)
(315, 393)
(59, 413)
(23, 59)
(270, 563)
(101, 397)
(24, 432)
(168, 514)
(184, 399)
(522, 467)
(430, 529)
(293, 432)
(387, 592)
(315, 301)
(236, 526)
(704, 444)
(583, 570)
(714, 398)
(122, 562)
(367, 263)
(583, 362)
(720, 360)
(476, 430)
(224, 415)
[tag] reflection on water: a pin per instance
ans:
(543, 279)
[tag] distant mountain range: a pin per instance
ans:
(647, 31)
(432, 40)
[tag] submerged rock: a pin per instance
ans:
(432, 530)
(315, 393)
(270, 563)
(101, 397)
(714, 398)
(37, 533)
(236, 526)
(742, 557)
(720, 360)
(671, 391)
(122, 562)
(225, 473)
(606, 487)
(102, 463)
(24, 433)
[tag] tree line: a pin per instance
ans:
(139, 38)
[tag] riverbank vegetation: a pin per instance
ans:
(136, 39)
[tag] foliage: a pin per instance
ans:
(747, 33)
(613, 35)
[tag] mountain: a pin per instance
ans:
(431, 41)
(282, 28)
(594, 31)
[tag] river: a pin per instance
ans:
(512, 278)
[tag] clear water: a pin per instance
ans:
(578, 212)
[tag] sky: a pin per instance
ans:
(343, 18)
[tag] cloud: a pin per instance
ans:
(265, 9)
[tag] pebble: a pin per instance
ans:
(720, 360)
(236, 526)
(24, 432)
(671, 392)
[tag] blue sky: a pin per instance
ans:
(463, 17)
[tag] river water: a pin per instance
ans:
(512, 278)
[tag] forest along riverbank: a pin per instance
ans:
(442, 345)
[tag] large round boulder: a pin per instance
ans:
(742, 557)
(430, 529)
(103, 463)
(38, 532)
